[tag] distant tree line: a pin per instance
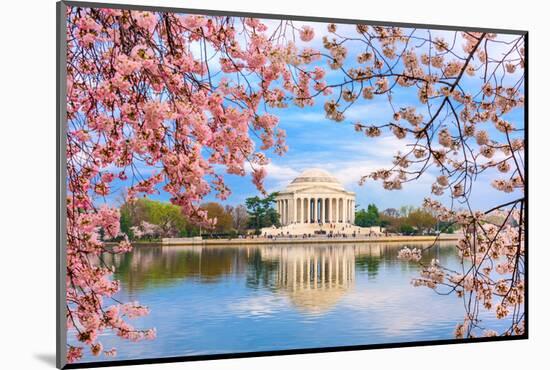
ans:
(406, 220)
(147, 219)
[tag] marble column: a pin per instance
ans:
(345, 210)
(285, 211)
(315, 210)
(321, 210)
(308, 214)
(294, 212)
(282, 212)
(289, 211)
(299, 210)
(304, 201)
(343, 217)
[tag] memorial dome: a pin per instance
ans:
(317, 177)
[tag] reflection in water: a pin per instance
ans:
(314, 277)
(151, 266)
(207, 300)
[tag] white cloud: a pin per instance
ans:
(279, 173)
(350, 160)
(280, 176)
(378, 112)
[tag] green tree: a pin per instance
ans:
(261, 213)
(367, 218)
(126, 222)
(406, 229)
(166, 216)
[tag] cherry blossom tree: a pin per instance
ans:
(179, 96)
(146, 229)
(469, 87)
(172, 102)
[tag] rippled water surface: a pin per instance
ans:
(210, 300)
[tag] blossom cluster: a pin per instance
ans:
(145, 109)
(437, 72)
(409, 254)
(492, 254)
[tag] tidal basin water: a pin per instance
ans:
(212, 300)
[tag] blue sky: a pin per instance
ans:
(315, 141)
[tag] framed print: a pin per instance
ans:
(238, 184)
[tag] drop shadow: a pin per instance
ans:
(46, 358)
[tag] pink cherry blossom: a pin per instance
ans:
(307, 33)
(139, 96)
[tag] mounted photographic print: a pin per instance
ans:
(235, 184)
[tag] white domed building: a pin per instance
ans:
(315, 197)
(315, 201)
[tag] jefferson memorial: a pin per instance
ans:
(315, 197)
(313, 202)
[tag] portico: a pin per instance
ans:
(315, 197)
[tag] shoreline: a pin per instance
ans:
(282, 240)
